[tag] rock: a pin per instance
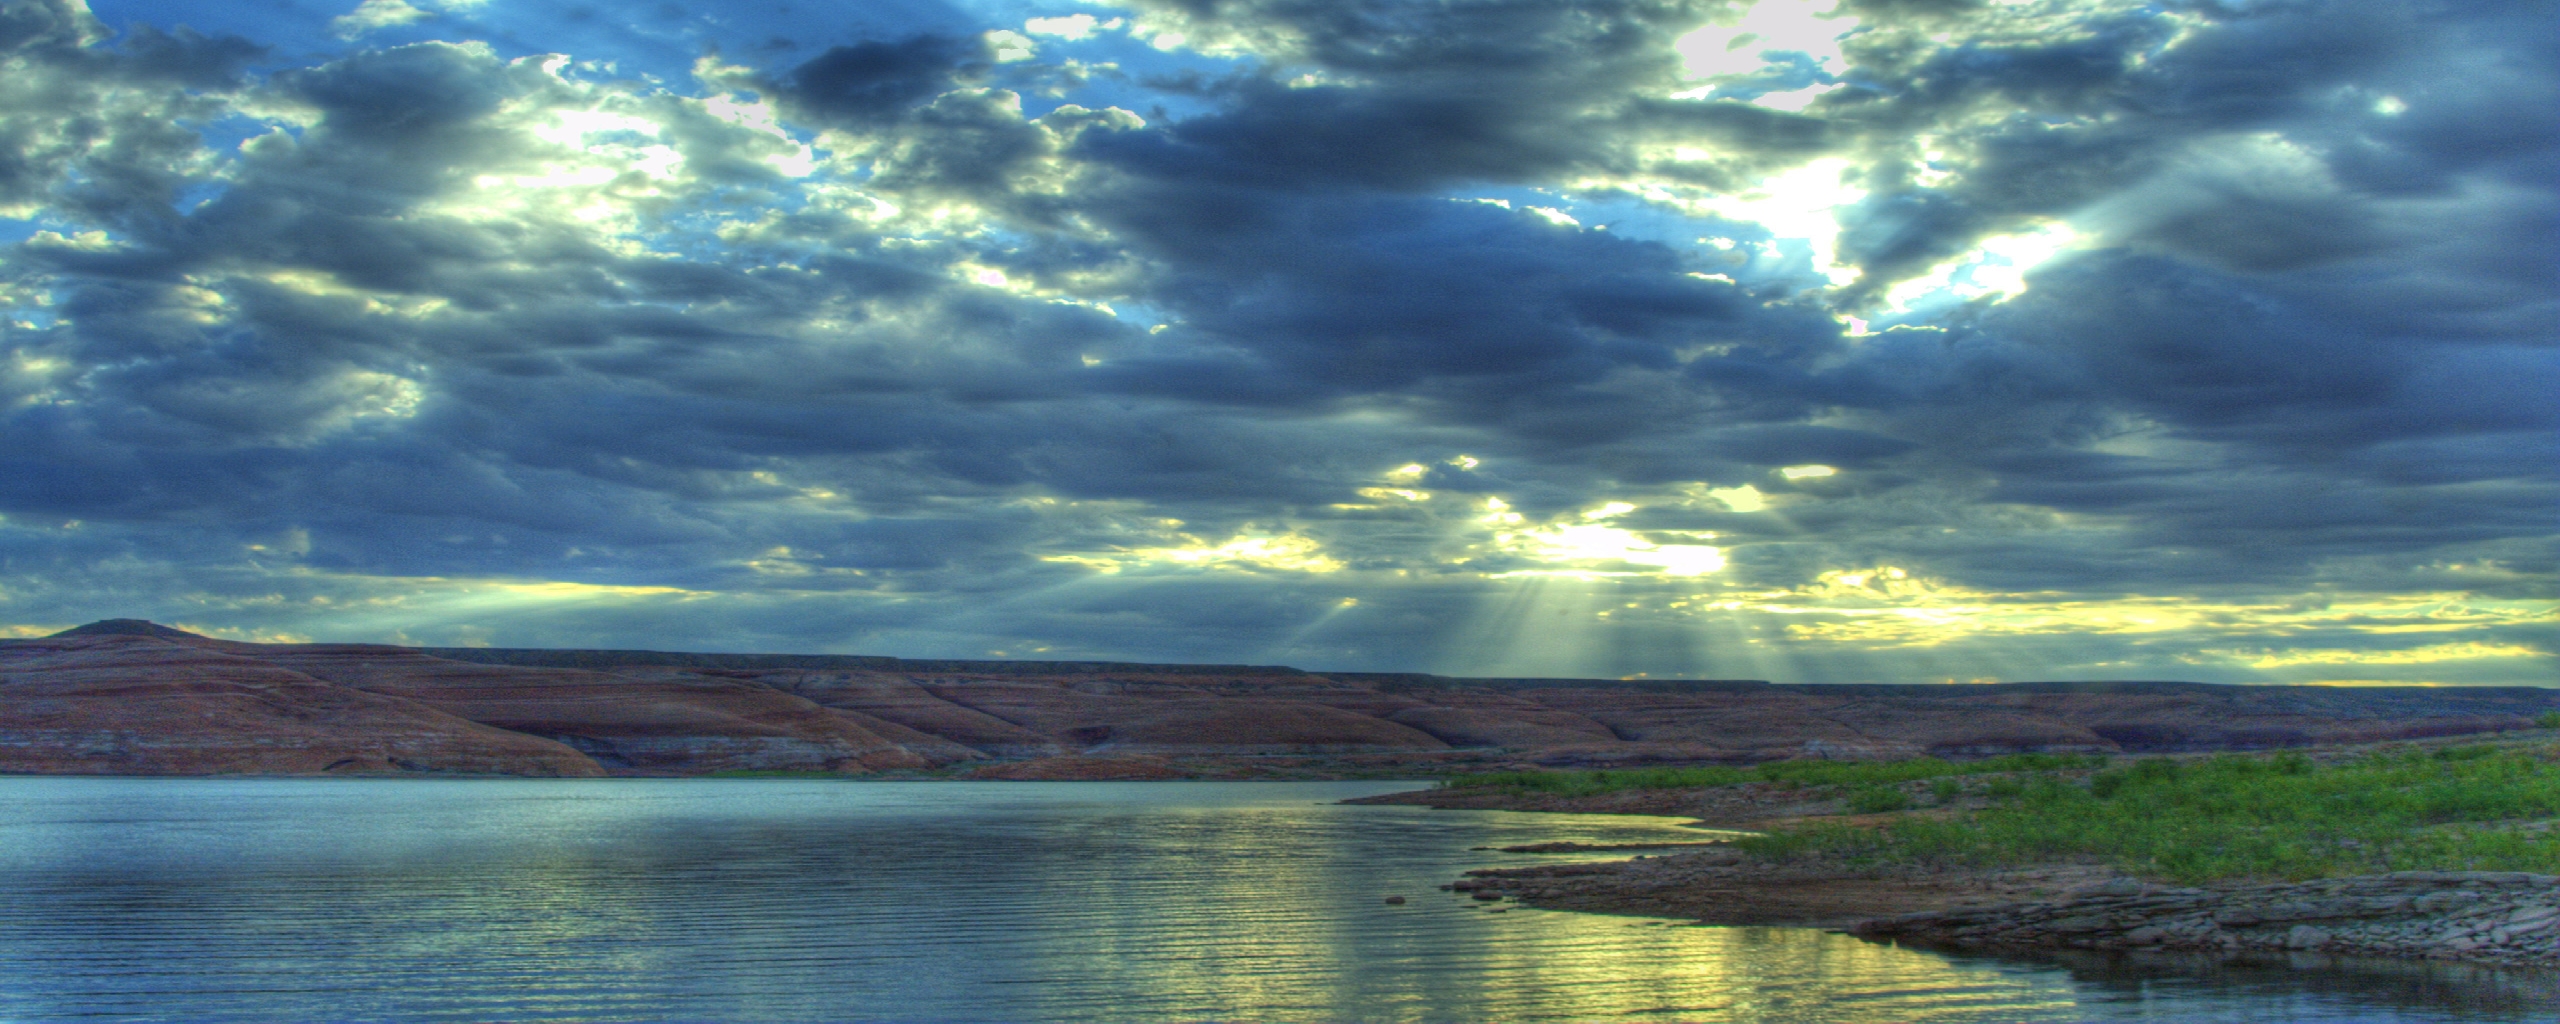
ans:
(2500, 918)
(2117, 886)
(1395, 901)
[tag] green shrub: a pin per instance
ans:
(1946, 790)
(2547, 720)
(1877, 799)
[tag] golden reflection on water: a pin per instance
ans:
(814, 900)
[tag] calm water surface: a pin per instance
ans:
(789, 900)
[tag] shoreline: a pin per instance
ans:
(2509, 919)
(2491, 918)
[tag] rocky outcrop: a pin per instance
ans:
(657, 712)
(2498, 917)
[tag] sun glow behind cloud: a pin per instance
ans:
(1586, 547)
(1767, 28)
(1243, 552)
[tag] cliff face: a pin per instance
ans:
(127, 697)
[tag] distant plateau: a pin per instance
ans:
(127, 697)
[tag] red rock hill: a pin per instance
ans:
(132, 697)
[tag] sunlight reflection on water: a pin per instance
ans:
(823, 900)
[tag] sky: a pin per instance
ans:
(1799, 340)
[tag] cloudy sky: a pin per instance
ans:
(1808, 341)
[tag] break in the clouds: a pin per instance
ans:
(1800, 339)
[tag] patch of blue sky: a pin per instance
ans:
(1144, 314)
(198, 193)
(225, 134)
(14, 230)
(27, 319)
(1786, 71)
(223, 137)
(294, 31)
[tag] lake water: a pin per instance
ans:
(810, 900)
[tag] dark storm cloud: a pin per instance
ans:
(871, 83)
(1367, 295)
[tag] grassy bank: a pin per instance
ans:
(1852, 775)
(2280, 816)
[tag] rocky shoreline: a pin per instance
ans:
(2478, 916)
(2508, 918)
(2495, 918)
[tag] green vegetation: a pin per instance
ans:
(1877, 799)
(1853, 774)
(2233, 816)
(2547, 720)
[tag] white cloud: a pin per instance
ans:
(1073, 26)
(1011, 46)
(1794, 101)
(373, 15)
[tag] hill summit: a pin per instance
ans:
(129, 627)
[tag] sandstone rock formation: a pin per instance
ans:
(125, 696)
